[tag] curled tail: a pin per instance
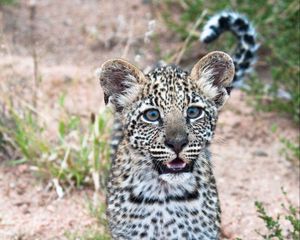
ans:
(245, 54)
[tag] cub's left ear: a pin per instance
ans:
(213, 74)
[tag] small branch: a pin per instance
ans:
(188, 39)
(129, 39)
(32, 9)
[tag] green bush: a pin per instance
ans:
(273, 225)
(277, 24)
(79, 155)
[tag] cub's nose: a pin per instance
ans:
(177, 143)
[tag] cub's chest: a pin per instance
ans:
(173, 220)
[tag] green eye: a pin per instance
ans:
(151, 115)
(194, 112)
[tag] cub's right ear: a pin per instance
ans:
(213, 74)
(121, 82)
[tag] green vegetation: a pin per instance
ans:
(274, 229)
(274, 225)
(78, 156)
(277, 24)
(6, 2)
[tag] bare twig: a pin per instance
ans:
(32, 9)
(129, 39)
(188, 39)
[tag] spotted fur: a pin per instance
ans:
(245, 53)
(145, 200)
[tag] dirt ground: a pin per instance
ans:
(72, 39)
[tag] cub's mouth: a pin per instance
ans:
(177, 165)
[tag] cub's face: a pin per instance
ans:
(169, 116)
(171, 121)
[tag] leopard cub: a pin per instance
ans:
(161, 184)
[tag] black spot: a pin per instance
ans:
(244, 65)
(159, 214)
(170, 211)
(213, 36)
(241, 24)
(133, 216)
(195, 212)
(238, 56)
(143, 234)
(194, 221)
(204, 212)
(169, 223)
(248, 55)
(249, 39)
(215, 30)
(140, 199)
(224, 22)
(229, 89)
(235, 64)
(210, 216)
(122, 200)
(154, 220)
(234, 79)
(180, 226)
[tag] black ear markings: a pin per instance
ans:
(213, 74)
(116, 77)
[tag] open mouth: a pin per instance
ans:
(175, 166)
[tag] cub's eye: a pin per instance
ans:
(151, 115)
(194, 112)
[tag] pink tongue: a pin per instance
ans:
(177, 163)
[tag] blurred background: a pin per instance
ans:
(54, 129)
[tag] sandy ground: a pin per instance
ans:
(31, 211)
(73, 39)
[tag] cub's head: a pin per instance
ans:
(168, 115)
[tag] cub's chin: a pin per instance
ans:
(176, 179)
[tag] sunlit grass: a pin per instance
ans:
(79, 156)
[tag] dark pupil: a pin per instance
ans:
(152, 115)
(193, 112)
